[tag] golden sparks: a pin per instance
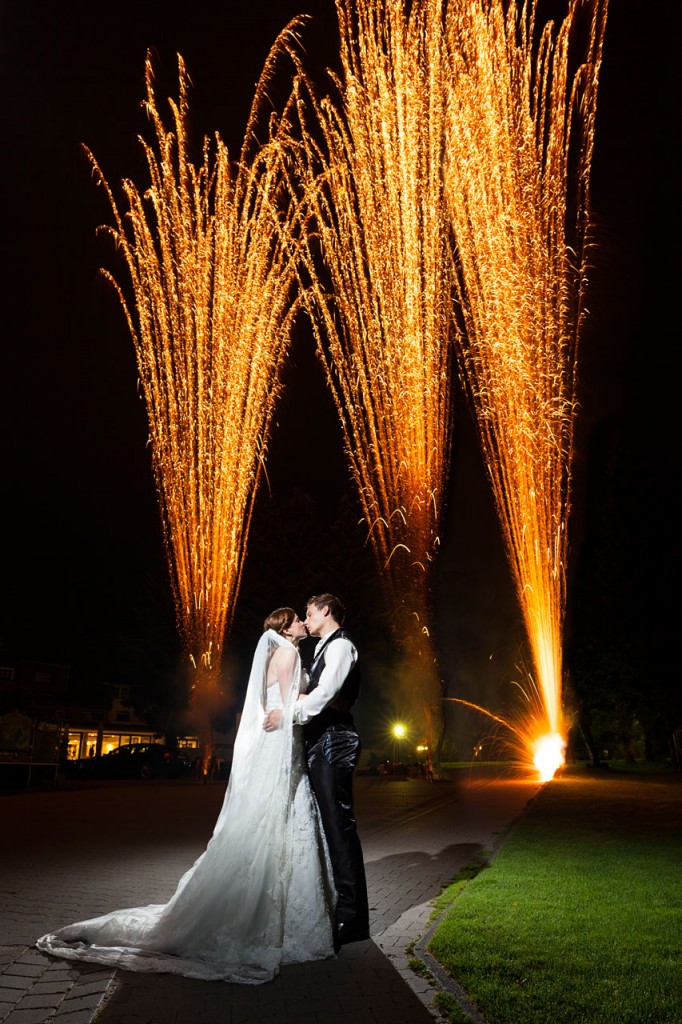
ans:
(467, 121)
(208, 252)
(381, 297)
(521, 109)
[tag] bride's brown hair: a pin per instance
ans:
(279, 620)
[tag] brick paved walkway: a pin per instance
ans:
(76, 853)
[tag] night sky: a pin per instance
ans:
(80, 546)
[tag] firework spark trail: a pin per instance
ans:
(521, 130)
(381, 307)
(209, 254)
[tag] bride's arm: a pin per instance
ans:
(282, 668)
(285, 670)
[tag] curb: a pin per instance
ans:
(445, 982)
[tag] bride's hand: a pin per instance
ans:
(272, 720)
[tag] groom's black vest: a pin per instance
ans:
(338, 712)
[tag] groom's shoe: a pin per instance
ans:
(349, 931)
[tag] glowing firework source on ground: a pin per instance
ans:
(381, 296)
(521, 108)
(549, 754)
(208, 251)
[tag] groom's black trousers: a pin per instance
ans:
(331, 762)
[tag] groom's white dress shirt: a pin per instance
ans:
(339, 657)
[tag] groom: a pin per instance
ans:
(332, 751)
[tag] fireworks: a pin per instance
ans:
(208, 252)
(521, 129)
(465, 121)
(381, 306)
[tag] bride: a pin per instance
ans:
(261, 894)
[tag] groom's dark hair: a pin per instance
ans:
(336, 607)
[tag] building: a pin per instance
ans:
(42, 723)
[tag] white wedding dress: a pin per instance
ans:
(261, 895)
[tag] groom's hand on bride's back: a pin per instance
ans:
(272, 720)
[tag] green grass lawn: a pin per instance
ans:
(578, 918)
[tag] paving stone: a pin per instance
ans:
(31, 1016)
(73, 1017)
(82, 989)
(77, 1002)
(33, 956)
(43, 1000)
(11, 995)
(51, 987)
(21, 970)
(14, 981)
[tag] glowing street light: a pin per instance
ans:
(398, 734)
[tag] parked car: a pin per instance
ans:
(132, 761)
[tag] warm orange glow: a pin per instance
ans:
(381, 298)
(208, 251)
(549, 755)
(520, 738)
(521, 111)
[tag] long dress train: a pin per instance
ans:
(261, 895)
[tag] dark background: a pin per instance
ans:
(82, 569)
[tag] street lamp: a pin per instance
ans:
(398, 733)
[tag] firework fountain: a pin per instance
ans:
(208, 252)
(521, 111)
(381, 297)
